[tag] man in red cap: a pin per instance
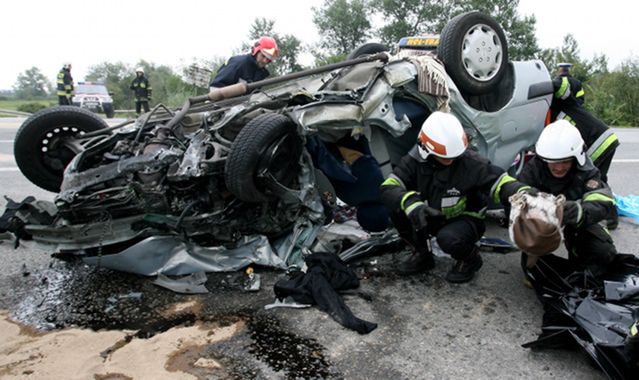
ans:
(247, 67)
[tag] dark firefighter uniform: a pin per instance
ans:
(460, 191)
(142, 90)
(240, 67)
(601, 141)
(65, 87)
(588, 243)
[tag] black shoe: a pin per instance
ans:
(463, 271)
(416, 262)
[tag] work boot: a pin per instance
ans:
(464, 270)
(416, 261)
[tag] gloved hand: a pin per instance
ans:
(418, 218)
(421, 215)
(573, 213)
(529, 190)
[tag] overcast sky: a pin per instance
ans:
(45, 33)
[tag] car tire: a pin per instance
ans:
(108, 111)
(474, 51)
(366, 49)
(267, 143)
(39, 147)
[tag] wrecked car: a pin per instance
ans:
(229, 172)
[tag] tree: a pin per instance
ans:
(116, 77)
(343, 25)
(411, 17)
(568, 52)
(32, 84)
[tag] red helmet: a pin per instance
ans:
(267, 46)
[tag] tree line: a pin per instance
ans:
(346, 24)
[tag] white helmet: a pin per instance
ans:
(442, 135)
(140, 70)
(560, 141)
(66, 65)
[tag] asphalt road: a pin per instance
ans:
(427, 328)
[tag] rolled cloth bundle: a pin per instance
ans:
(535, 223)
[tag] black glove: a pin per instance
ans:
(421, 215)
(418, 218)
(529, 190)
(573, 213)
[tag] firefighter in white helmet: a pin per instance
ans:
(142, 90)
(440, 189)
(561, 166)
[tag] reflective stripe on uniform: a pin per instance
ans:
(456, 209)
(413, 206)
(564, 90)
(598, 197)
(579, 93)
(408, 194)
(393, 180)
(501, 181)
(600, 145)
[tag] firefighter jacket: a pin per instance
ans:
(599, 138)
(461, 188)
(65, 83)
(582, 184)
(240, 67)
(142, 88)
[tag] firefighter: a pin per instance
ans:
(561, 166)
(65, 85)
(567, 104)
(601, 141)
(441, 189)
(142, 89)
(247, 67)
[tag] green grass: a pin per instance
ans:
(14, 103)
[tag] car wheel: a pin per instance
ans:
(366, 49)
(268, 143)
(474, 51)
(46, 142)
(108, 111)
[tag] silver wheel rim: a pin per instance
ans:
(482, 52)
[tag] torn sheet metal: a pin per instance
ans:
(173, 256)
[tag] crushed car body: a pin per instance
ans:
(231, 166)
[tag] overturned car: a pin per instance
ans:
(229, 172)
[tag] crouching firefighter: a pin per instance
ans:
(562, 167)
(440, 189)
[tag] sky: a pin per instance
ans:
(46, 33)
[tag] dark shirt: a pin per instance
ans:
(240, 67)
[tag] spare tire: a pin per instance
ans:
(45, 143)
(474, 51)
(367, 49)
(268, 143)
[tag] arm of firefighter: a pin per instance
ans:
(597, 204)
(398, 184)
(505, 186)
